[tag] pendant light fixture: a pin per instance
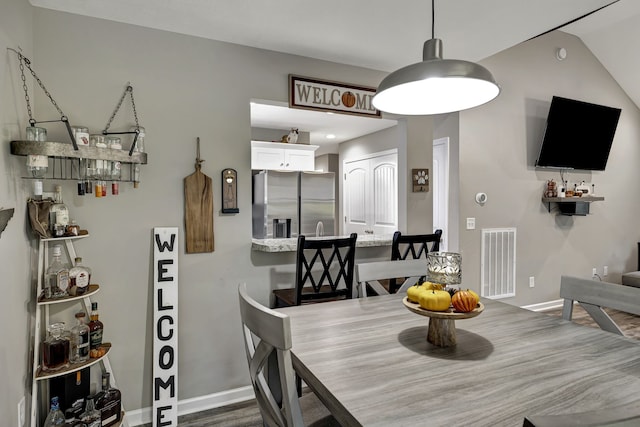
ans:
(435, 85)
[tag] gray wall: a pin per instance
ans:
(420, 155)
(499, 143)
(15, 251)
(187, 87)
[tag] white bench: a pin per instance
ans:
(594, 295)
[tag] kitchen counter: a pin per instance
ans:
(289, 245)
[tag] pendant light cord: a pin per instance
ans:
(433, 19)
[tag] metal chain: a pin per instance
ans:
(26, 90)
(133, 105)
(33, 73)
(128, 89)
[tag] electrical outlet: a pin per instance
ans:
(532, 281)
(594, 272)
(605, 271)
(21, 413)
(471, 223)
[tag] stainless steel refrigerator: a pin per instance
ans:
(288, 203)
(317, 203)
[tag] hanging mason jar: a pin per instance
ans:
(81, 135)
(37, 165)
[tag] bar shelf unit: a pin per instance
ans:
(42, 314)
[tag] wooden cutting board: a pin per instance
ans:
(198, 210)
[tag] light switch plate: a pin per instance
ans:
(21, 413)
(471, 223)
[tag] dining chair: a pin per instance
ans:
(369, 274)
(324, 271)
(267, 333)
(594, 295)
(414, 246)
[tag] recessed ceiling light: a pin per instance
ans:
(331, 136)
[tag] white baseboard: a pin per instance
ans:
(195, 404)
(542, 306)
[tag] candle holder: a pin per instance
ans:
(444, 268)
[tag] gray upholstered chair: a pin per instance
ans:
(267, 333)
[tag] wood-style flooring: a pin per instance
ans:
(246, 414)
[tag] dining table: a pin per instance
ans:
(370, 363)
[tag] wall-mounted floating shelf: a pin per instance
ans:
(572, 205)
(63, 149)
(65, 161)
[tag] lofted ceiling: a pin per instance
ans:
(380, 34)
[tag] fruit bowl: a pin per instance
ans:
(442, 327)
(451, 313)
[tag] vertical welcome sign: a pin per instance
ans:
(165, 320)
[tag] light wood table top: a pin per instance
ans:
(369, 361)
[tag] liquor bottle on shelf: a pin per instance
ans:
(37, 165)
(55, 416)
(58, 215)
(96, 328)
(55, 348)
(56, 276)
(91, 416)
(80, 339)
(79, 278)
(109, 402)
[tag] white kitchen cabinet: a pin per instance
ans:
(280, 156)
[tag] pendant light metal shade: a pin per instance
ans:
(435, 85)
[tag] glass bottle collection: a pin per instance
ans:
(93, 174)
(84, 340)
(62, 349)
(101, 409)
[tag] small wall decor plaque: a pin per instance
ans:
(230, 191)
(420, 179)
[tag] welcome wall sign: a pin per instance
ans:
(322, 95)
(165, 320)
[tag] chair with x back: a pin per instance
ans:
(412, 246)
(370, 274)
(324, 271)
(267, 333)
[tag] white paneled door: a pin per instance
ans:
(371, 194)
(440, 186)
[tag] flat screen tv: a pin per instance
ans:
(578, 135)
